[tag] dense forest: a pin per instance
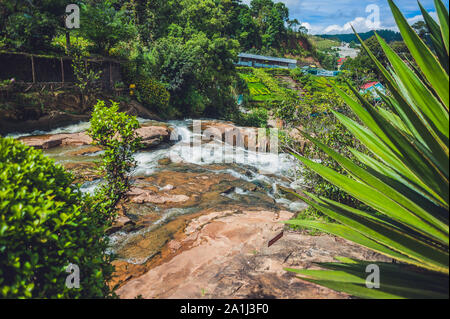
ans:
(387, 35)
(185, 47)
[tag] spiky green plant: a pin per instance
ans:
(405, 182)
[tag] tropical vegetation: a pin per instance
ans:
(404, 180)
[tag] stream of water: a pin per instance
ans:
(246, 182)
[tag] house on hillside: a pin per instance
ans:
(341, 62)
(260, 61)
(312, 69)
(372, 88)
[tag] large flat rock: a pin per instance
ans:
(151, 137)
(226, 255)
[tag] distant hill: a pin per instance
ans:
(387, 35)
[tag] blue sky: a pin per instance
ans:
(335, 16)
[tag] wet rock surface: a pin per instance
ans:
(152, 136)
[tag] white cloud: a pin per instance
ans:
(311, 28)
(417, 18)
(363, 25)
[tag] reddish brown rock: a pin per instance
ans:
(227, 132)
(151, 136)
(147, 197)
(226, 255)
(52, 141)
(119, 224)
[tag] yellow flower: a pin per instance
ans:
(132, 86)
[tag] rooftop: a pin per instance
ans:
(369, 85)
(266, 58)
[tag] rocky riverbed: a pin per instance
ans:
(196, 228)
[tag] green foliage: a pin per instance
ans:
(86, 77)
(153, 95)
(255, 118)
(77, 43)
(45, 225)
(363, 69)
(30, 26)
(264, 87)
(199, 74)
(314, 114)
(104, 26)
(404, 181)
(387, 35)
(115, 133)
(328, 60)
(324, 44)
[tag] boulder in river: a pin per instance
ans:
(151, 136)
(246, 137)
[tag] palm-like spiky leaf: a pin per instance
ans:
(405, 181)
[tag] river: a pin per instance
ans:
(252, 181)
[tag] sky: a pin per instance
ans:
(337, 16)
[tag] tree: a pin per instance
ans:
(31, 26)
(198, 73)
(105, 26)
(421, 29)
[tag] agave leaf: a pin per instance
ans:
(443, 21)
(427, 169)
(407, 247)
(353, 236)
(367, 178)
(424, 58)
(364, 117)
(373, 198)
(395, 120)
(436, 38)
(380, 150)
(396, 281)
(411, 118)
(416, 92)
(430, 254)
(392, 178)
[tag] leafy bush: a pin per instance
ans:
(86, 77)
(76, 42)
(44, 228)
(256, 118)
(115, 133)
(153, 95)
(405, 181)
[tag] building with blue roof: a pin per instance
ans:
(261, 61)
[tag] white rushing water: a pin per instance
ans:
(70, 129)
(216, 152)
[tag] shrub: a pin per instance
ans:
(44, 228)
(115, 132)
(256, 118)
(153, 94)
